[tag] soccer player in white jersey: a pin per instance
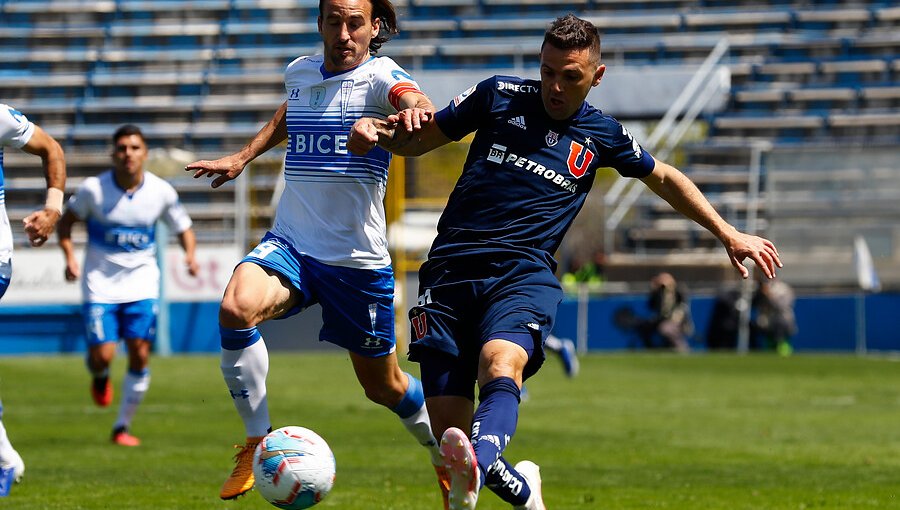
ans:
(328, 244)
(18, 132)
(120, 279)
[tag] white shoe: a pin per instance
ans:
(15, 462)
(569, 357)
(459, 459)
(532, 474)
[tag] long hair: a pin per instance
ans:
(572, 32)
(383, 10)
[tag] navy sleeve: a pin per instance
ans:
(467, 111)
(626, 155)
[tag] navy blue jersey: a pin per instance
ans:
(526, 175)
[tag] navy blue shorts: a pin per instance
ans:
(357, 304)
(467, 301)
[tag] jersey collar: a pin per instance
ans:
(327, 74)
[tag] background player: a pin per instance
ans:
(120, 286)
(328, 244)
(488, 294)
(18, 132)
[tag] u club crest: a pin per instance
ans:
(551, 138)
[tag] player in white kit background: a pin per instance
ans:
(120, 277)
(328, 244)
(18, 132)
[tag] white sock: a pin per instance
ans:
(6, 449)
(134, 387)
(245, 371)
(420, 427)
(553, 343)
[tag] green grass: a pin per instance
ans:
(631, 432)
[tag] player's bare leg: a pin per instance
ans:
(253, 294)
(98, 360)
(386, 384)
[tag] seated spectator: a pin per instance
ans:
(669, 324)
(722, 333)
(774, 322)
(671, 315)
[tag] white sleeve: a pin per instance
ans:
(390, 82)
(175, 215)
(80, 202)
(15, 128)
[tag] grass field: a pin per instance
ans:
(631, 432)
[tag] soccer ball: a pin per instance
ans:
(294, 468)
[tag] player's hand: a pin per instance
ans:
(742, 246)
(412, 119)
(72, 271)
(193, 268)
(39, 225)
(223, 169)
(367, 132)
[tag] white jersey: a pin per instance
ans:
(120, 259)
(332, 208)
(15, 131)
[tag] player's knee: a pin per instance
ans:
(237, 313)
(499, 366)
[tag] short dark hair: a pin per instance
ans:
(128, 130)
(572, 32)
(383, 10)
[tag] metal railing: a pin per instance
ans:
(709, 79)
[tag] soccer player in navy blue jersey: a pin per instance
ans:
(488, 294)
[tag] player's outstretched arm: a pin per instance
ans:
(229, 167)
(64, 234)
(676, 189)
(391, 134)
(39, 225)
(188, 242)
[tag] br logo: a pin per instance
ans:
(579, 159)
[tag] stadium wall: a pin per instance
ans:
(826, 323)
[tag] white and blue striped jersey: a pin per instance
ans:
(15, 131)
(332, 208)
(120, 259)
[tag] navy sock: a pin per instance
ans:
(493, 426)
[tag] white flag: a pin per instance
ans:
(865, 268)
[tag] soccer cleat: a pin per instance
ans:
(444, 484)
(569, 357)
(532, 474)
(461, 465)
(101, 391)
(18, 466)
(241, 479)
(121, 437)
(11, 470)
(7, 477)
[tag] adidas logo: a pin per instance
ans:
(519, 122)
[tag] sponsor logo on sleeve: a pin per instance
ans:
(462, 97)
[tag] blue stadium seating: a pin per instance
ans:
(205, 74)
